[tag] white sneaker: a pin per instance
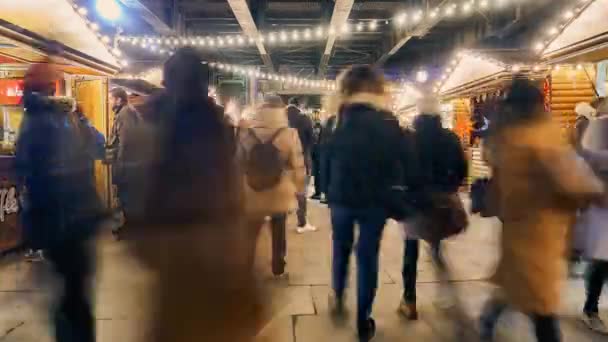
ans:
(595, 323)
(307, 228)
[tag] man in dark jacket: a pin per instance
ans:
(303, 124)
(365, 164)
(121, 155)
(61, 208)
(325, 139)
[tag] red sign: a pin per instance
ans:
(11, 92)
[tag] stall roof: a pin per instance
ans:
(471, 68)
(584, 39)
(24, 24)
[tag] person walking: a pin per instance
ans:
(274, 173)
(440, 169)
(303, 124)
(363, 166)
(594, 239)
(316, 155)
(190, 230)
(61, 208)
(119, 151)
(547, 183)
(325, 139)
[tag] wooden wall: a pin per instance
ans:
(92, 95)
(570, 86)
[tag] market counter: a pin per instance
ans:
(10, 230)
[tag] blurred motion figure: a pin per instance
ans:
(541, 183)
(61, 208)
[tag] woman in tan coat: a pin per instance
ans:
(269, 123)
(541, 183)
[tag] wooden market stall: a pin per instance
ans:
(471, 90)
(26, 28)
(578, 56)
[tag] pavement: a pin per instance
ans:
(299, 302)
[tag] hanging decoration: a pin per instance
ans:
(403, 20)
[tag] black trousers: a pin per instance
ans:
(278, 224)
(316, 170)
(411, 253)
(546, 327)
(597, 274)
(73, 317)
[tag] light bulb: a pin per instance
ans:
(466, 8)
(449, 11)
(94, 27)
(307, 34)
(579, 67)
(295, 35)
(568, 14)
(539, 46)
(345, 28)
(124, 63)
(516, 68)
(373, 25)
(433, 14)
(483, 4)
(117, 52)
(359, 27)
(83, 11)
(108, 9)
(283, 36)
(272, 37)
(401, 18)
(418, 16)
(319, 32)
(553, 31)
(240, 40)
(105, 39)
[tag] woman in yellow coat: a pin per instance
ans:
(540, 183)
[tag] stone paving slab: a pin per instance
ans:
(298, 310)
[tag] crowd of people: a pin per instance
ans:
(196, 189)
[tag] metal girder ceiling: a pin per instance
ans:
(145, 13)
(242, 12)
(339, 17)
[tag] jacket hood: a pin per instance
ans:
(375, 101)
(269, 117)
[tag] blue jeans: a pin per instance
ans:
(371, 225)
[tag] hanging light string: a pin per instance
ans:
(515, 68)
(402, 20)
(253, 72)
(94, 27)
(567, 17)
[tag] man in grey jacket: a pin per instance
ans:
(303, 124)
(119, 152)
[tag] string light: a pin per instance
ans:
(567, 18)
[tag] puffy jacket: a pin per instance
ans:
(54, 166)
(364, 156)
(282, 197)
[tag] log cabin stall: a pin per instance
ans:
(26, 27)
(471, 88)
(578, 56)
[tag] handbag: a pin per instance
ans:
(442, 218)
(399, 202)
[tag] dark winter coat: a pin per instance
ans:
(441, 160)
(54, 166)
(364, 156)
(303, 124)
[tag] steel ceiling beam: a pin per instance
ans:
(339, 17)
(150, 17)
(242, 13)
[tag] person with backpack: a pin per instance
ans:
(364, 164)
(541, 183)
(274, 172)
(441, 170)
(303, 124)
